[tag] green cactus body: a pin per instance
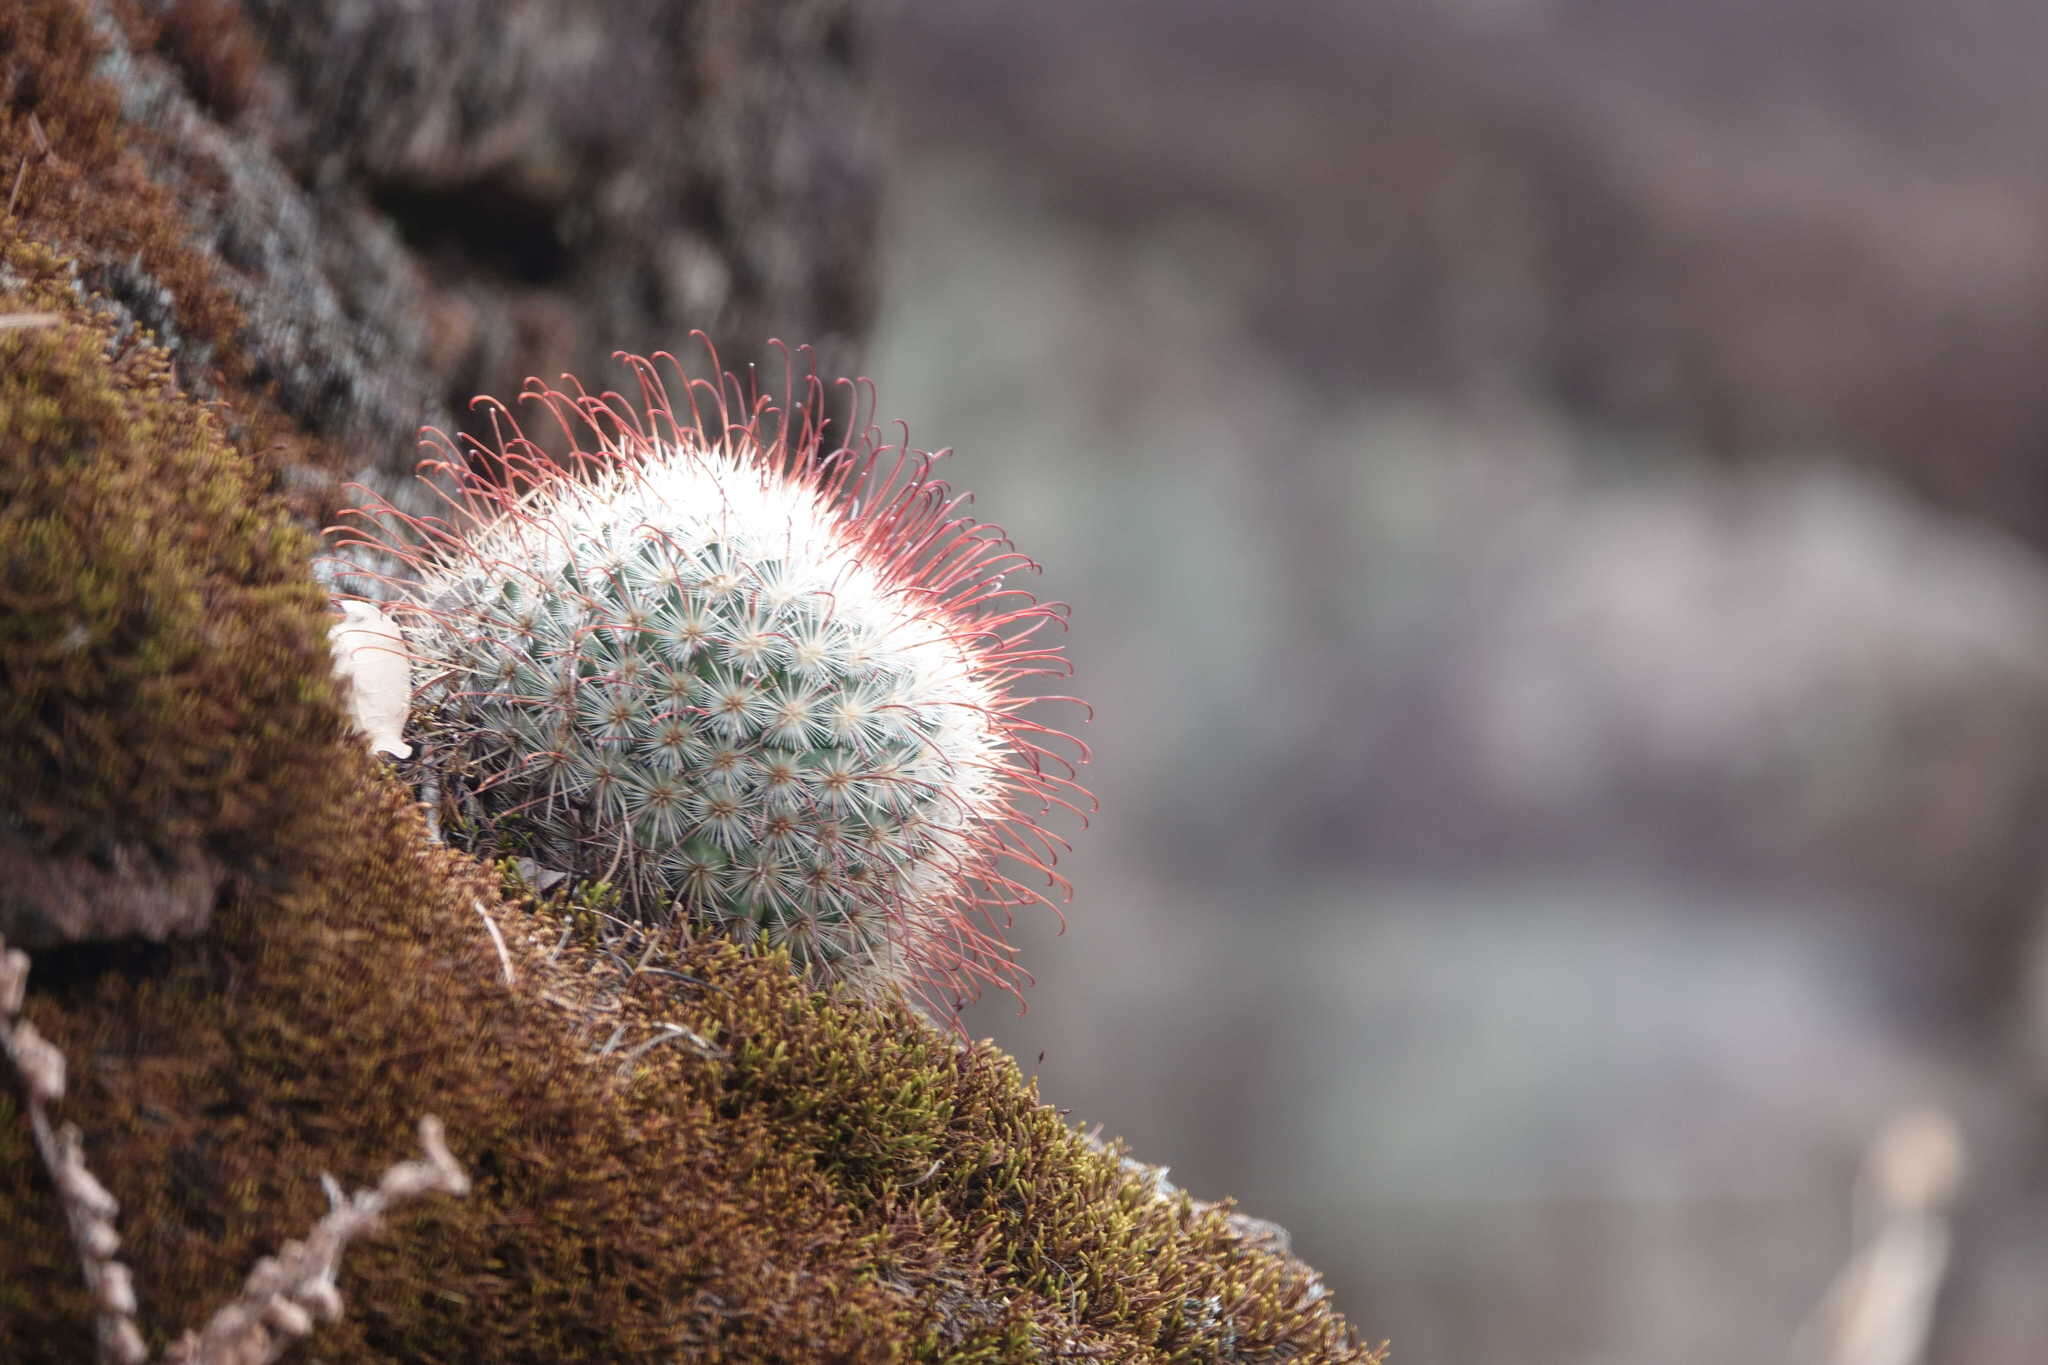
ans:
(750, 680)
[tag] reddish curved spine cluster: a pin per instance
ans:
(754, 667)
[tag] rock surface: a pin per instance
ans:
(413, 204)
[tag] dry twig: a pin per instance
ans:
(88, 1208)
(283, 1294)
(1880, 1310)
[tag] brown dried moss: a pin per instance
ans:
(163, 688)
(792, 1178)
(213, 45)
(73, 177)
(165, 711)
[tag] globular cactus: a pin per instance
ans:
(757, 679)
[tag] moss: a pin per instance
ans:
(753, 1171)
(73, 176)
(212, 44)
(163, 661)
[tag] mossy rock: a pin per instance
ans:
(690, 1155)
(166, 715)
(680, 1151)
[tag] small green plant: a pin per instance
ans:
(752, 676)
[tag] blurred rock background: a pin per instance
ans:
(1552, 492)
(413, 203)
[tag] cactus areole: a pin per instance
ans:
(751, 666)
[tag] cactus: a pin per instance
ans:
(758, 681)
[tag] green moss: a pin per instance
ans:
(752, 1172)
(163, 661)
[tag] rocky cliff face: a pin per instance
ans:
(408, 205)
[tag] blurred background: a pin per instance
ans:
(1553, 499)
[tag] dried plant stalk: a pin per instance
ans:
(284, 1294)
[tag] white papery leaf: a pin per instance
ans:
(370, 659)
